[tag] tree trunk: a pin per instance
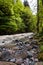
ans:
(37, 16)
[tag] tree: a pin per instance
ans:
(6, 13)
(15, 17)
(40, 16)
(42, 2)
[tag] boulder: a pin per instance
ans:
(19, 60)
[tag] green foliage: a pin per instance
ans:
(41, 48)
(40, 16)
(40, 56)
(15, 17)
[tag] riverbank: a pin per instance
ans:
(21, 49)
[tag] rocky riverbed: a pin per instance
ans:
(21, 49)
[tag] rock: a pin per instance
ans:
(29, 54)
(13, 60)
(5, 53)
(21, 43)
(27, 42)
(19, 61)
(32, 59)
(16, 40)
(6, 56)
(32, 63)
(32, 51)
(21, 53)
(36, 59)
(16, 48)
(26, 62)
(28, 47)
(35, 46)
(11, 51)
(4, 49)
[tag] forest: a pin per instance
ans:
(16, 17)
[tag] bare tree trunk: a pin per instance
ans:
(37, 16)
(42, 2)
